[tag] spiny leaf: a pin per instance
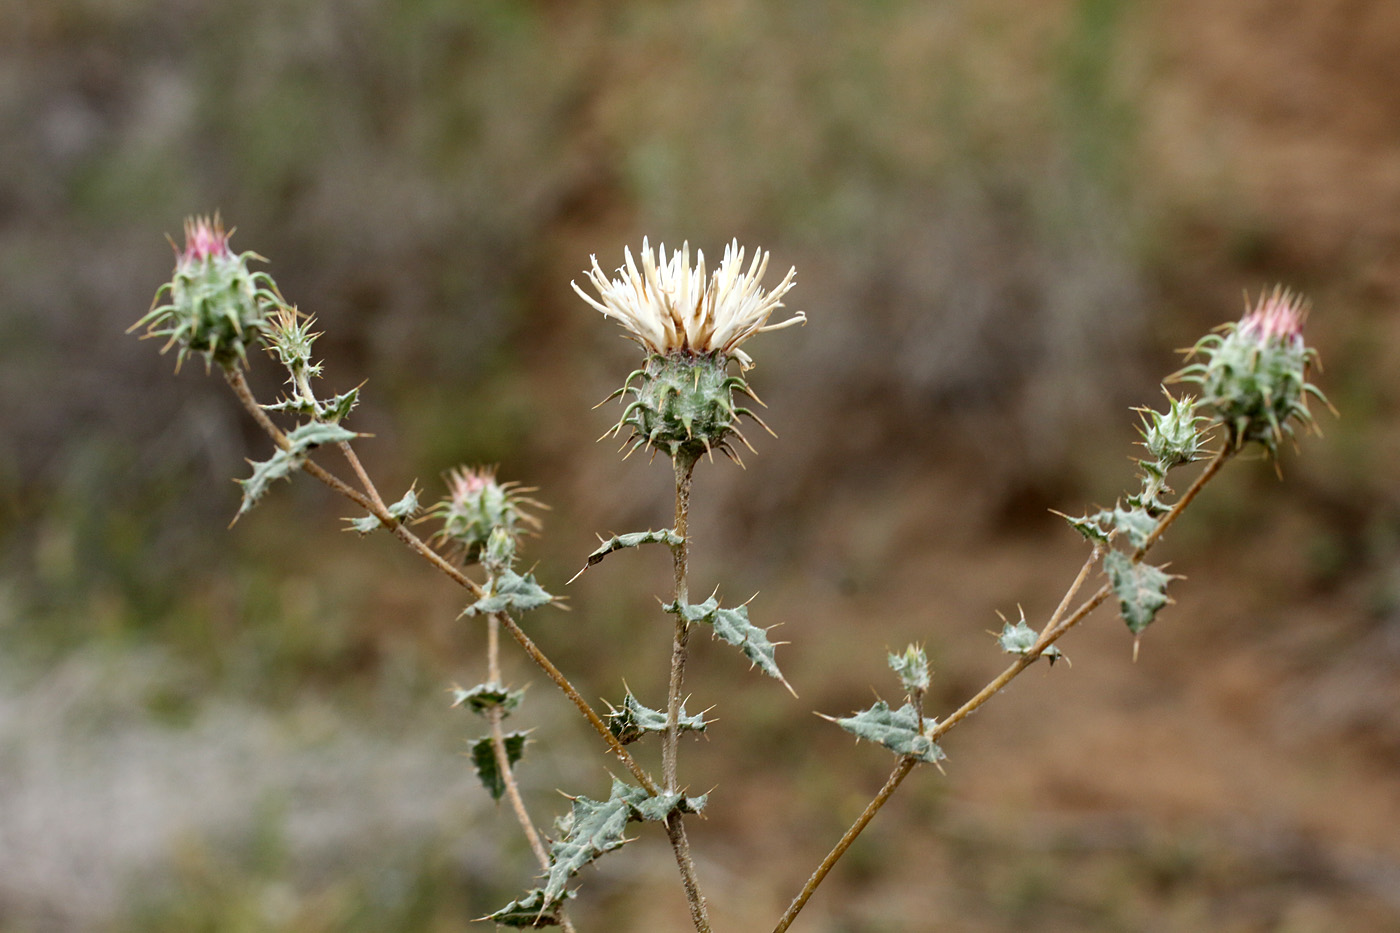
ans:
(488, 769)
(402, 510)
(340, 406)
(1140, 588)
(285, 462)
(1135, 523)
(487, 696)
(658, 808)
(316, 433)
(1021, 638)
(591, 829)
(898, 730)
(733, 626)
(530, 910)
(1088, 526)
(508, 591)
(296, 405)
(281, 465)
(665, 536)
(634, 720)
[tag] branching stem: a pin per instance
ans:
(417, 545)
(1053, 630)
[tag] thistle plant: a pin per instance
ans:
(685, 402)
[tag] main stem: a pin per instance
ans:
(1052, 631)
(675, 826)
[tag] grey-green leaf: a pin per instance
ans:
(592, 829)
(530, 910)
(281, 465)
(488, 769)
(1088, 526)
(487, 696)
(1021, 638)
(316, 433)
(296, 405)
(898, 730)
(633, 720)
(508, 591)
(1135, 523)
(402, 510)
(733, 626)
(661, 806)
(1140, 588)
(340, 406)
(665, 536)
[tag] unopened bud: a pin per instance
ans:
(214, 304)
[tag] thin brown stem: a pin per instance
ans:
(494, 715)
(365, 482)
(897, 776)
(1219, 460)
(1074, 589)
(240, 388)
(1053, 630)
(675, 825)
(498, 744)
(562, 682)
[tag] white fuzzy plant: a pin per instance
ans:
(685, 402)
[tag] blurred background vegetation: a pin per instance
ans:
(1004, 214)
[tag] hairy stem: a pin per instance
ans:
(417, 545)
(1053, 630)
(675, 826)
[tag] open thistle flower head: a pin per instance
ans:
(692, 326)
(1253, 374)
(477, 506)
(213, 304)
(668, 306)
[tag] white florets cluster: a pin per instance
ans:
(668, 306)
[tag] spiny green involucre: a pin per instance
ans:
(1253, 374)
(478, 506)
(214, 305)
(682, 402)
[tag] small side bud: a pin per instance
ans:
(1172, 437)
(476, 507)
(500, 549)
(912, 668)
(289, 338)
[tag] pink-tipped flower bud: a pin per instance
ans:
(477, 506)
(1253, 374)
(214, 304)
